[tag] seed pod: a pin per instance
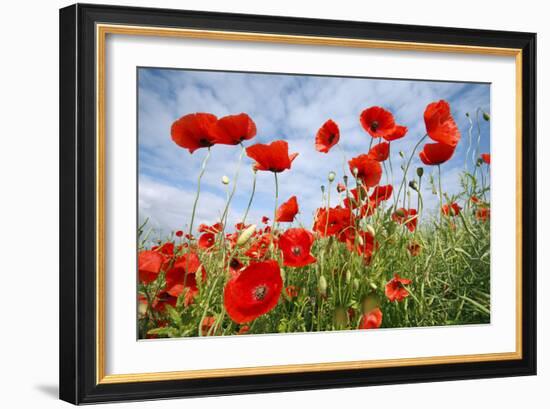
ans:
(402, 154)
(331, 176)
(246, 235)
(486, 116)
(420, 172)
(323, 285)
(225, 180)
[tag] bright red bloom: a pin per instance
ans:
(179, 233)
(361, 242)
(440, 125)
(327, 136)
(377, 121)
(241, 226)
(233, 129)
(296, 247)
(149, 265)
(398, 132)
(381, 193)
(166, 249)
(332, 221)
(371, 320)
(163, 299)
(259, 248)
(215, 228)
(483, 214)
(273, 157)
(395, 290)
(380, 152)
(486, 157)
(291, 291)
(453, 209)
(287, 211)
(207, 240)
(407, 217)
(265, 219)
(475, 200)
(436, 153)
(254, 292)
(183, 273)
(194, 131)
(368, 170)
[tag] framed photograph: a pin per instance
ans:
(258, 203)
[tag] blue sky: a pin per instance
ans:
(290, 107)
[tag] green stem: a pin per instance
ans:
(407, 169)
(203, 168)
(251, 198)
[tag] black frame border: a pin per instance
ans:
(78, 210)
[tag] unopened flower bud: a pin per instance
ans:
(360, 240)
(355, 171)
(283, 275)
(322, 188)
(355, 284)
(373, 286)
(323, 285)
(348, 276)
(402, 154)
(400, 212)
(345, 178)
(486, 116)
(420, 172)
(370, 229)
(467, 114)
(225, 180)
(246, 235)
(413, 185)
(331, 176)
(479, 162)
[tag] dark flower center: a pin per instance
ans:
(204, 142)
(374, 125)
(296, 250)
(331, 138)
(235, 263)
(260, 292)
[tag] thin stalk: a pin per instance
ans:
(251, 198)
(407, 168)
(203, 168)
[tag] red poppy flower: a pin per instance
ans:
(368, 170)
(483, 214)
(361, 242)
(194, 131)
(241, 226)
(149, 265)
(340, 187)
(163, 299)
(475, 200)
(183, 273)
(166, 249)
(207, 240)
(273, 157)
(332, 221)
(397, 133)
(265, 219)
(440, 125)
(291, 291)
(233, 129)
(436, 153)
(395, 290)
(215, 228)
(179, 233)
(381, 193)
(296, 247)
(254, 292)
(486, 157)
(380, 152)
(414, 248)
(406, 217)
(327, 136)
(371, 320)
(287, 211)
(259, 247)
(453, 209)
(377, 121)
(243, 330)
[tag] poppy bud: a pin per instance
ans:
(400, 212)
(370, 229)
(413, 185)
(402, 154)
(225, 180)
(373, 286)
(322, 188)
(331, 176)
(345, 179)
(420, 172)
(323, 285)
(479, 162)
(467, 114)
(486, 116)
(246, 235)
(355, 171)
(355, 284)
(348, 276)
(283, 276)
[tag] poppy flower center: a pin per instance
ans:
(296, 250)
(205, 142)
(260, 292)
(331, 138)
(234, 263)
(374, 126)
